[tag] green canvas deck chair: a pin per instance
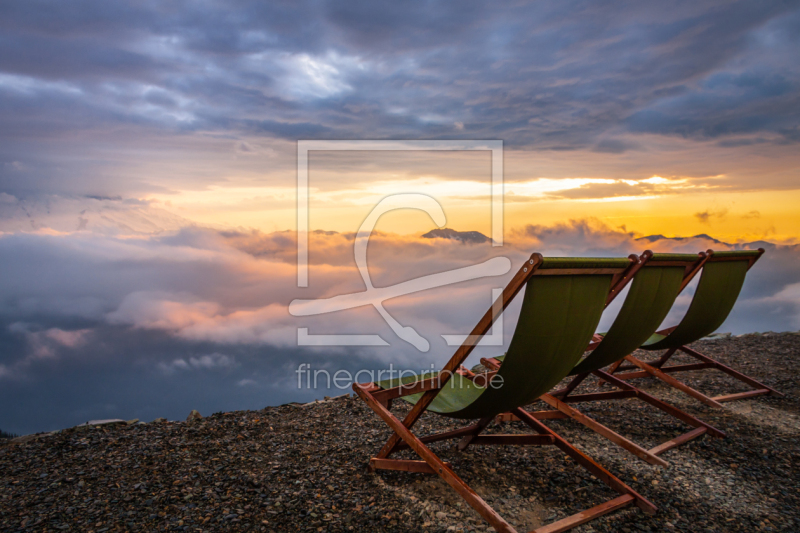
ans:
(721, 281)
(657, 280)
(561, 307)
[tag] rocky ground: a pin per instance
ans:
(302, 468)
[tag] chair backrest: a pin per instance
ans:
(655, 286)
(562, 305)
(719, 286)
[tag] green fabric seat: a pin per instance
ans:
(559, 315)
(719, 286)
(652, 294)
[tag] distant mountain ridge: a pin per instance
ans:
(654, 238)
(466, 237)
(476, 237)
(740, 246)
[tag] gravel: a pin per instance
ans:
(302, 468)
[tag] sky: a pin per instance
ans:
(148, 171)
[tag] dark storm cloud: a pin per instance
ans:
(559, 75)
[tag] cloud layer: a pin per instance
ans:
(198, 318)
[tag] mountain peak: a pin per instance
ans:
(471, 237)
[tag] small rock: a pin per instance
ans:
(194, 415)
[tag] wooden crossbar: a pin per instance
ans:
(404, 465)
(662, 373)
(677, 441)
(599, 396)
(590, 514)
(455, 434)
(538, 415)
(407, 390)
(741, 395)
(666, 369)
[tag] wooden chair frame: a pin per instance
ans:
(560, 401)
(657, 369)
(402, 436)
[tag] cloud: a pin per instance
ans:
(604, 190)
(214, 361)
(614, 146)
(207, 311)
(68, 338)
(162, 311)
(705, 216)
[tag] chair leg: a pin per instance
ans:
(664, 358)
(629, 391)
(655, 372)
(480, 426)
(759, 389)
(432, 464)
(586, 462)
(436, 464)
(571, 386)
(655, 402)
(613, 368)
(606, 432)
(733, 373)
(649, 456)
(618, 366)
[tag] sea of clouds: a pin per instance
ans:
(138, 314)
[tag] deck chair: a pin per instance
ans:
(561, 307)
(657, 280)
(721, 281)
